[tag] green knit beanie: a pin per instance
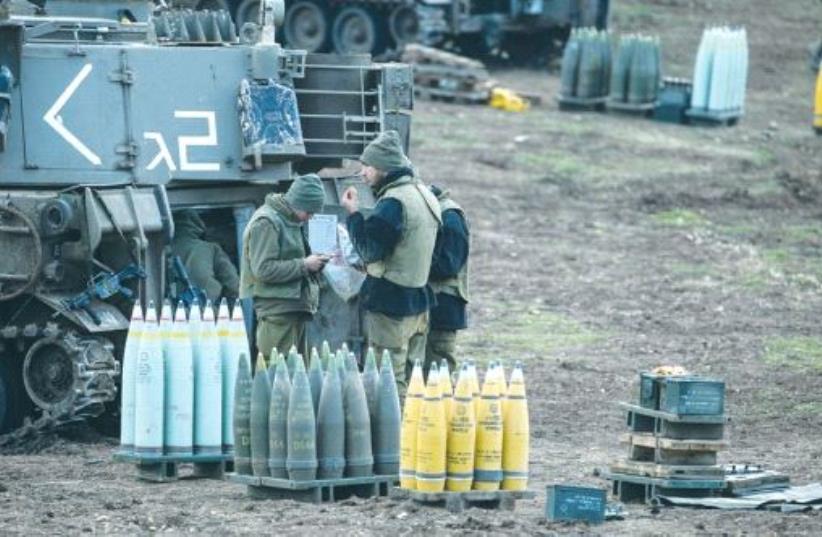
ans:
(385, 153)
(306, 193)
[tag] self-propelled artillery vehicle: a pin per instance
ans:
(112, 116)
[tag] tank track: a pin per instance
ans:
(94, 383)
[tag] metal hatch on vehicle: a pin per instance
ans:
(73, 109)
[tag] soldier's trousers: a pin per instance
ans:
(403, 337)
(281, 332)
(440, 345)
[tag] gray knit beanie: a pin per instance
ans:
(385, 153)
(306, 193)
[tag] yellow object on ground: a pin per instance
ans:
(432, 435)
(488, 455)
(505, 99)
(516, 434)
(670, 371)
(817, 117)
(462, 431)
(408, 434)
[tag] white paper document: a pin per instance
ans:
(322, 233)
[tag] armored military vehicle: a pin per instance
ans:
(112, 116)
(521, 29)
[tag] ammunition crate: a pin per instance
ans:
(692, 396)
(649, 391)
(569, 502)
(674, 100)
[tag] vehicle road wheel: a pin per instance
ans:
(247, 11)
(404, 25)
(306, 26)
(356, 31)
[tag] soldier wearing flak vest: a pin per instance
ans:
(449, 280)
(278, 269)
(207, 264)
(396, 243)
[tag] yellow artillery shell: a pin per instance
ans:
(408, 435)
(516, 433)
(432, 435)
(462, 430)
(488, 455)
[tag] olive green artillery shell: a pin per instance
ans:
(302, 429)
(325, 355)
(278, 422)
(387, 424)
(260, 395)
(242, 418)
(331, 427)
(315, 379)
(359, 460)
(370, 379)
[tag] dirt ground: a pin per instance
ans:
(602, 245)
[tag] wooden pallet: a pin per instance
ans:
(632, 488)
(166, 468)
(668, 471)
(650, 448)
(456, 502)
(642, 109)
(596, 104)
(674, 426)
(315, 491)
(701, 116)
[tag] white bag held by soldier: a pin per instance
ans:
(343, 272)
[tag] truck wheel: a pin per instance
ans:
(306, 26)
(356, 31)
(404, 25)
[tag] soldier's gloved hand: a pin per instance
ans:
(315, 262)
(350, 200)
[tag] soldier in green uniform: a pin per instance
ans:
(207, 264)
(278, 269)
(449, 280)
(396, 243)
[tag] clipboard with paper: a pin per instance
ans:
(322, 234)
